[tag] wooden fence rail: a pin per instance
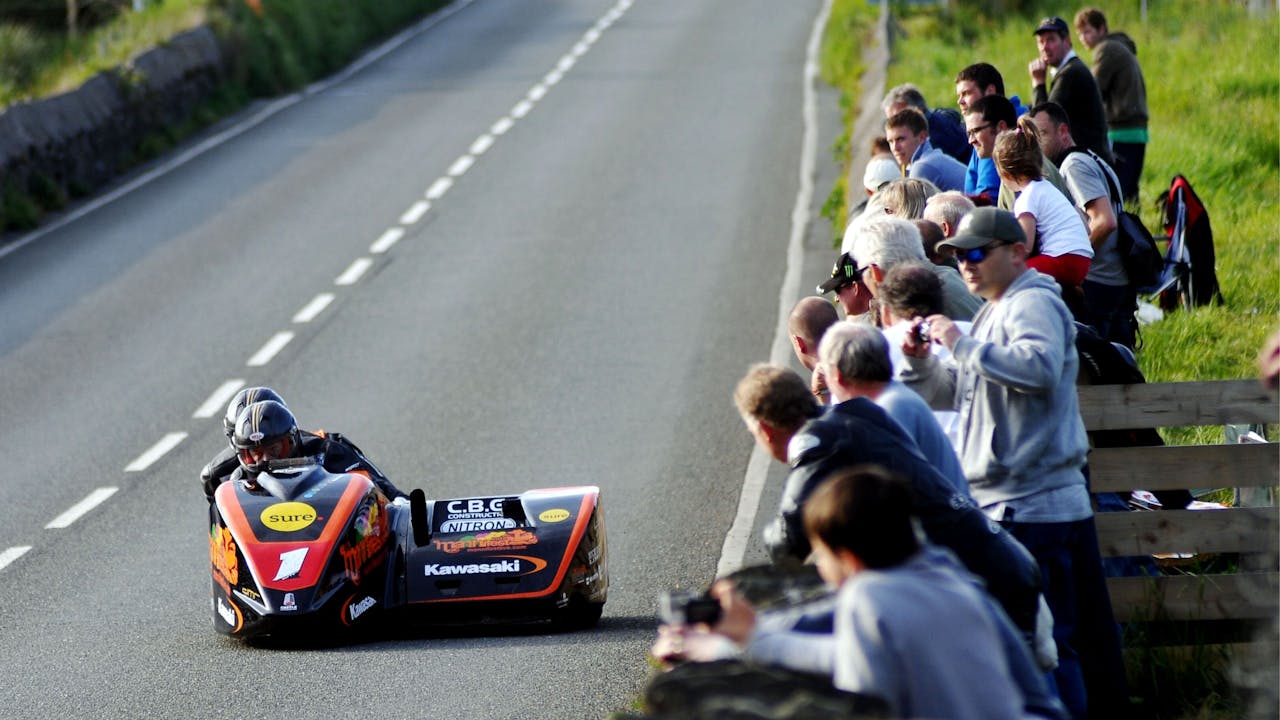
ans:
(1252, 533)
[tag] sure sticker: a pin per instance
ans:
(288, 516)
(553, 515)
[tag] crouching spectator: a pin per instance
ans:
(911, 626)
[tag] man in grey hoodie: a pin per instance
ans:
(1023, 444)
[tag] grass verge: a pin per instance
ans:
(1213, 100)
(273, 47)
(850, 26)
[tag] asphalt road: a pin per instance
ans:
(574, 306)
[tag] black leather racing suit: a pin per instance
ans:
(333, 451)
(857, 432)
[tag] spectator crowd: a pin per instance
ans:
(936, 456)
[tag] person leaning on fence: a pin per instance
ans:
(881, 243)
(1023, 444)
(772, 400)
(808, 321)
(1110, 300)
(856, 363)
(909, 624)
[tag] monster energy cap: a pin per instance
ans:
(844, 272)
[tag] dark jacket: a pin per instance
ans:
(859, 432)
(946, 132)
(1120, 81)
(1075, 89)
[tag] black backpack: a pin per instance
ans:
(1106, 363)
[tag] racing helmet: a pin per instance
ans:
(243, 399)
(265, 431)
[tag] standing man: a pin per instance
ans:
(908, 134)
(1072, 85)
(1109, 300)
(1023, 444)
(1124, 95)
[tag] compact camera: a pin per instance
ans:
(679, 607)
(921, 332)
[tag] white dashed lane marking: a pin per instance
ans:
(11, 554)
(354, 271)
(439, 188)
(313, 308)
(218, 399)
(75, 512)
(388, 238)
(502, 126)
(482, 143)
(217, 402)
(415, 213)
(155, 452)
(461, 165)
(268, 351)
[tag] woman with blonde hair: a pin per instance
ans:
(1057, 237)
(905, 198)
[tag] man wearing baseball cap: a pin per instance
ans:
(1023, 446)
(1072, 85)
(846, 283)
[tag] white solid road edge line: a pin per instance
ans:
(217, 402)
(734, 550)
(75, 512)
(268, 351)
(11, 554)
(155, 452)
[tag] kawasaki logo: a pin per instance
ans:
(517, 565)
(226, 613)
(358, 609)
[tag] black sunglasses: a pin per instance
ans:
(978, 254)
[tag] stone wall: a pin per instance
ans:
(81, 139)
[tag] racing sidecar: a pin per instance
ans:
(308, 550)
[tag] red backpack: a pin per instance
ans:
(1189, 278)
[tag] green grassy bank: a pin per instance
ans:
(273, 46)
(1213, 84)
(1213, 89)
